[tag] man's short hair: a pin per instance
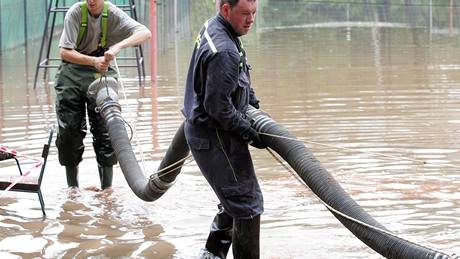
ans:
(232, 3)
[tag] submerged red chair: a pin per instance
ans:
(27, 184)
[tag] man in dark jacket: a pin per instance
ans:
(218, 92)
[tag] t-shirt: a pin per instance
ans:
(119, 27)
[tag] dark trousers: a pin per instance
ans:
(225, 161)
(72, 104)
(242, 234)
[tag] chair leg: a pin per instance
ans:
(42, 203)
(17, 162)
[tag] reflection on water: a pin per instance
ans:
(378, 107)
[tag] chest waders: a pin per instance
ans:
(72, 81)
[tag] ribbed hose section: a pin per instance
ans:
(153, 188)
(139, 184)
(294, 152)
(321, 182)
(175, 157)
(105, 92)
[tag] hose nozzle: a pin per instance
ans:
(105, 91)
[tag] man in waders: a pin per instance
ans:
(217, 94)
(94, 32)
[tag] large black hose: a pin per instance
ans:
(342, 206)
(105, 92)
(318, 179)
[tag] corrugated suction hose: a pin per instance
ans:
(309, 169)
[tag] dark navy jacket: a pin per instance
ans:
(218, 88)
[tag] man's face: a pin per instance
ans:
(241, 16)
(95, 7)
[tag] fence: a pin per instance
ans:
(24, 20)
(431, 14)
(184, 17)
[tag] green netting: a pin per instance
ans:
(12, 23)
(21, 19)
(185, 15)
(434, 14)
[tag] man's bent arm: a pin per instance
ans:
(75, 57)
(137, 38)
(102, 63)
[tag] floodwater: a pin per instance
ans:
(379, 107)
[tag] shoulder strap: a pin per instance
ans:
(105, 15)
(83, 23)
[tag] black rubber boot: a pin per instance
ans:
(245, 239)
(72, 175)
(106, 176)
(220, 235)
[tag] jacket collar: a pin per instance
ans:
(227, 25)
(220, 19)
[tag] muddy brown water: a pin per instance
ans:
(379, 107)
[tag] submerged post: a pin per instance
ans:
(153, 40)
